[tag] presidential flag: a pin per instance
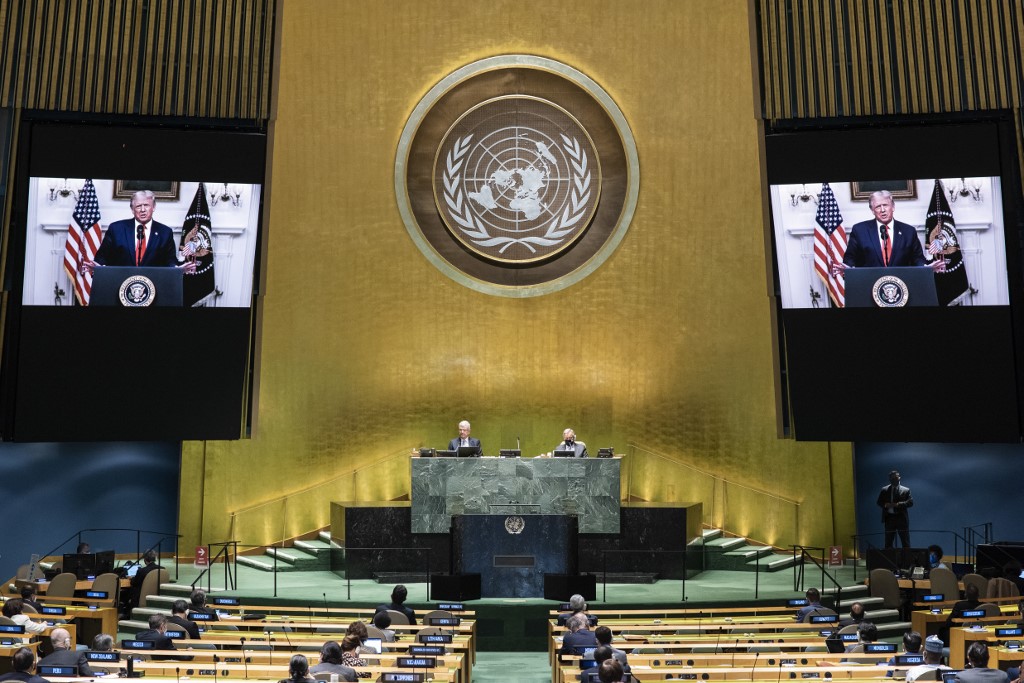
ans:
(829, 244)
(952, 286)
(197, 245)
(83, 241)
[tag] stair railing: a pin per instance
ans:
(798, 570)
(958, 541)
(346, 486)
(711, 489)
(161, 536)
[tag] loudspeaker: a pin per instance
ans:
(455, 587)
(561, 587)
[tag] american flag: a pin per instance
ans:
(829, 244)
(83, 241)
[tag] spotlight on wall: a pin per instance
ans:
(228, 193)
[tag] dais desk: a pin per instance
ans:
(586, 487)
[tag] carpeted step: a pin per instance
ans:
(299, 559)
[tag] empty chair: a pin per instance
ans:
(429, 631)
(109, 583)
(62, 586)
(884, 585)
(436, 614)
(933, 675)
(398, 618)
(151, 585)
(1002, 588)
(7, 621)
(649, 651)
(764, 648)
(990, 609)
(849, 628)
(944, 581)
(977, 580)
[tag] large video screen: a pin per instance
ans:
(897, 278)
(132, 275)
(819, 224)
(212, 225)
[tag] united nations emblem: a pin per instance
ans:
(515, 524)
(517, 175)
(517, 179)
(138, 290)
(890, 292)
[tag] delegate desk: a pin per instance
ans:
(586, 487)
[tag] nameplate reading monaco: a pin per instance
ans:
(138, 290)
(890, 292)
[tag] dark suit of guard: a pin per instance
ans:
(896, 519)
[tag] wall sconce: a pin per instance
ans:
(964, 189)
(804, 197)
(62, 191)
(226, 194)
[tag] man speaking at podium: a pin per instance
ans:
(885, 242)
(138, 241)
(464, 440)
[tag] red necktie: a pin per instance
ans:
(140, 250)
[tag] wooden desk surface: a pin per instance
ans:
(43, 586)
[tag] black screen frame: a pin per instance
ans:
(864, 374)
(116, 374)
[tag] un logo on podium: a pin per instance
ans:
(517, 176)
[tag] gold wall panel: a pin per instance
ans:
(367, 350)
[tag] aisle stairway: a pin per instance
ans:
(736, 553)
(313, 555)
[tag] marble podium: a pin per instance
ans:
(585, 487)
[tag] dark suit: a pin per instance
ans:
(162, 643)
(75, 658)
(897, 519)
(582, 639)
(23, 677)
(453, 445)
(118, 246)
(190, 627)
(864, 249)
(578, 447)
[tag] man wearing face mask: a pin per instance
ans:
(894, 501)
(569, 443)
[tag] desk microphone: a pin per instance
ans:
(177, 674)
(327, 610)
(735, 646)
(216, 661)
(245, 660)
(284, 630)
(270, 642)
(779, 679)
(756, 657)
